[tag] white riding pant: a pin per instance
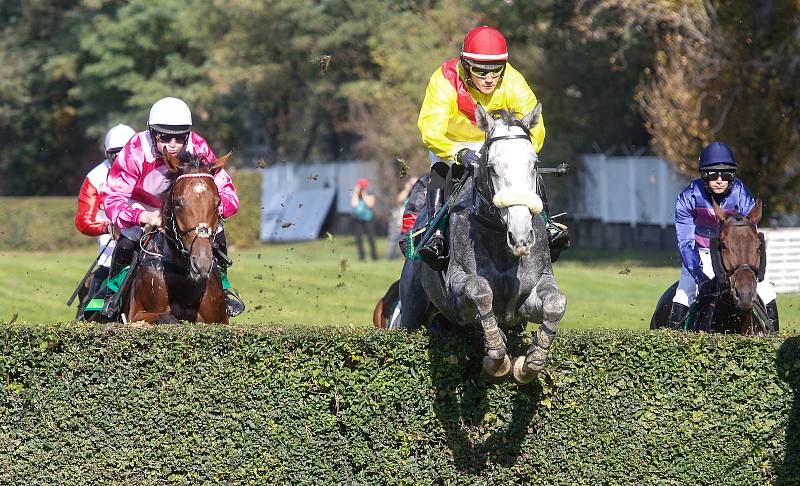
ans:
(476, 146)
(686, 292)
(105, 256)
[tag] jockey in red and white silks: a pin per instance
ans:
(90, 218)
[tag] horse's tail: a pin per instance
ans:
(380, 317)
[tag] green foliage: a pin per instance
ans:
(40, 223)
(243, 228)
(196, 404)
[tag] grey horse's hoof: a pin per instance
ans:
(523, 374)
(496, 370)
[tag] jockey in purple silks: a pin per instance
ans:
(696, 224)
(140, 177)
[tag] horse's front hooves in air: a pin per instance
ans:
(523, 374)
(496, 370)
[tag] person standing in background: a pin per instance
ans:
(363, 204)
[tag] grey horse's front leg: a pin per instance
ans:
(479, 292)
(496, 363)
(549, 302)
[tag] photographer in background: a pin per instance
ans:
(363, 204)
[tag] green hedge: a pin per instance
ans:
(48, 223)
(196, 404)
(40, 223)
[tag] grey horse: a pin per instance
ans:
(500, 275)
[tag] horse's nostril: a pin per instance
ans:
(511, 238)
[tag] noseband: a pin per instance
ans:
(484, 208)
(202, 230)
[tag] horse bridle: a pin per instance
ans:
(724, 275)
(484, 187)
(202, 230)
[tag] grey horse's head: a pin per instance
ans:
(511, 160)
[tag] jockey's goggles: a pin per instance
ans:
(167, 137)
(482, 73)
(712, 175)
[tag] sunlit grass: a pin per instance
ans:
(322, 283)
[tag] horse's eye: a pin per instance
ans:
(178, 203)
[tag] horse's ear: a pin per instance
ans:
(532, 119)
(754, 216)
(718, 211)
(482, 119)
(172, 161)
(220, 163)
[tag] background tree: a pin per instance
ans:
(723, 70)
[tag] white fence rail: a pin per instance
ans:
(783, 258)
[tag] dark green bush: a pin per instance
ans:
(40, 223)
(48, 223)
(196, 404)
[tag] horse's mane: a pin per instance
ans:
(191, 163)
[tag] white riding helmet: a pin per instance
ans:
(170, 115)
(118, 136)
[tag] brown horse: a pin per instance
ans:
(382, 314)
(177, 278)
(739, 260)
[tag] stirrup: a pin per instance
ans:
(234, 305)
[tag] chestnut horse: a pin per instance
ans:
(177, 278)
(739, 260)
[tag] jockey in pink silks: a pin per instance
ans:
(139, 178)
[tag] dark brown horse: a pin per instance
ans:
(177, 278)
(739, 261)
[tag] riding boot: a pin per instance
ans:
(434, 247)
(234, 305)
(772, 313)
(97, 280)
(677, 314)
(122, 257)
(557, 234)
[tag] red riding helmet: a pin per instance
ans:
(484, 46)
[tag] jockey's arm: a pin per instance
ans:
(86, 220)
(439, 105)
(122, 179)
(746, 200)
(228, 197)
(684, 228)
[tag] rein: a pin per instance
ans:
(173, 233)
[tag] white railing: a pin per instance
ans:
(783, 258)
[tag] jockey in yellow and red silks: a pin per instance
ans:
(481, 74)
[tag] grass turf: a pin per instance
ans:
(322, 282)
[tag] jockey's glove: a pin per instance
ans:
(467, 157)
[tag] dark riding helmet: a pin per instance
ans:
(717, 156)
